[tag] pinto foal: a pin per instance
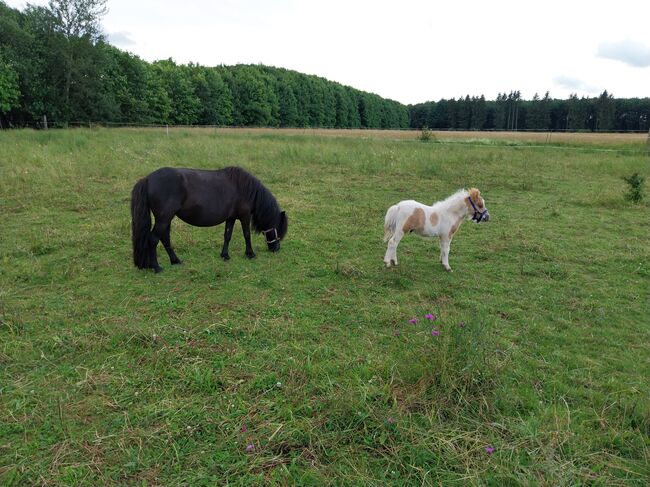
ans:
(442, 219)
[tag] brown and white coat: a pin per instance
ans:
(442, 220)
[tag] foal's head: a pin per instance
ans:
(276, 233)
(476, 206)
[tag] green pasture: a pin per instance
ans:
(300, 368)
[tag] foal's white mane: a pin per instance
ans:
(457, 197)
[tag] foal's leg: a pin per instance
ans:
(166, 241)
(227, 234)
(445, 242)
(391, 251)
(246, 227)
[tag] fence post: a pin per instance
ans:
(45, 122)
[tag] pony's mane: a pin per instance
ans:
(460, 194)
(265, 207)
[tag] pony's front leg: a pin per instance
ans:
(444, 253)
(390, 258)
(227, 234)
(246, 228)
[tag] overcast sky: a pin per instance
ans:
(406, 50)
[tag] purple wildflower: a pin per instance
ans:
(413, 321)
(435, 333)
(461, 324)
(244, 429)
(489, 449)
(250, 447)
(431, 317)
(391, 421)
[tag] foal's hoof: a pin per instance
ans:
(225, 256)
(251, 255)
(448, 269)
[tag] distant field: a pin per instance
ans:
(628, 140)
(301, 368)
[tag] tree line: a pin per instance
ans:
(511, 112)
(54, 62)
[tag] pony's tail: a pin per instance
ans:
(140, 225)
(390, 222)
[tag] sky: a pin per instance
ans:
(411, 51)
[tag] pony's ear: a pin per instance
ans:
(475, 194)
(284, 224)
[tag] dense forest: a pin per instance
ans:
(511, 112)
(56, 65)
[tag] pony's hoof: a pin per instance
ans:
(177, 262)
(225, 256)
(251, 255)
(158, 269)
(448, 269)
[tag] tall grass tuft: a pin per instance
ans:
(635, 187)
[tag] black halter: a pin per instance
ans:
(478, 216)
(275, 238)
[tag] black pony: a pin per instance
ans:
(204, 199)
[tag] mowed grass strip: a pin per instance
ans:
(301, 367)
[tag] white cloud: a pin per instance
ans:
(576, 85)
(630, 52)
(120, 39)
(410, 51)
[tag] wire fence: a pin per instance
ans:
(522, 138)
(47, 124)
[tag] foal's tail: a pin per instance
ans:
(390, 222)
(140, 225)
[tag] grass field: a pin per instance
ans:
(300, 368)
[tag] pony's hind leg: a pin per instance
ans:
(166, 241)
(157, 234)
(390, 258)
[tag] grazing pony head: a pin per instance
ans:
(267, 217)
(476, 206)
(277, 232)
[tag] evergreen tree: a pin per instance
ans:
(478, 115)
(463, 113)
(605, 112)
